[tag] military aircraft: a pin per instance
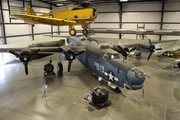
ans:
(106, 63)
(172, 54)
(60, 16)
(102, 59)
(175, 54)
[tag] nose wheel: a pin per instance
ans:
(59, 69)
(72, 32)
(85, 31)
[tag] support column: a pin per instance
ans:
(9, 10)
(162, 16)
(32, 26)
(2, 18)
(120, 17)
(58, 30)
(51, 25)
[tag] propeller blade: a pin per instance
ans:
(134, 48)
(150, 42)
(26, 68)
(80, 53)
(151, 49)
(69, 66)
(123, 52)
(14, 53)
(149, 55)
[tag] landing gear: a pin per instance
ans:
(117, 90)
(85, 31)
(51, 16)
(59, 69)
(178, 64)
(72, 32)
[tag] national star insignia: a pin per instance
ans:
(110, 76)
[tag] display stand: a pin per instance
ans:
(87, 106)
(43, 88)
(87, 97)
(106, 104)
(100, 98)
(143, 90)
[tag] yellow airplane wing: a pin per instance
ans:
(33, 19)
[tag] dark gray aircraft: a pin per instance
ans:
(106, 61)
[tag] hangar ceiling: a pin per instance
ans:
(91, 2)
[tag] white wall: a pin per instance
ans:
(144, 12)
(110, 17)
(22, 29)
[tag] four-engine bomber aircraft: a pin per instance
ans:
(106, 61)
(60, 16)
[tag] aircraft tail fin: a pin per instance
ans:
(30, 11)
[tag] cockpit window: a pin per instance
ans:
(63, 8)
(104, 46)
(137, 72)
(109, 56)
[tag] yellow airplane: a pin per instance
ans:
(60, 16)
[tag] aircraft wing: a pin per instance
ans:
(33, 19)
(136, 31)
(147, 43)
(117, 41)
(44, 49)
(85, 18)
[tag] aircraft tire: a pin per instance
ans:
(51, 16)
(72, 32)
(178, 64)
(85, 31)
(59, 68)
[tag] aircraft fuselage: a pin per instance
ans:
(109, 65)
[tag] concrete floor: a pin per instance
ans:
(21, 97)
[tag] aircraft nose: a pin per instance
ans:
(135, 78)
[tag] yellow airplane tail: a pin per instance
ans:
(30, 11)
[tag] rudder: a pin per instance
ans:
(30, 11)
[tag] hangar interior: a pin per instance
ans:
(22, 98)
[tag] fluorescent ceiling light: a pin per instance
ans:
(123, 0)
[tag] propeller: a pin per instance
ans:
(151, 49)
(24, 56)
(70, 56)
(123, 51)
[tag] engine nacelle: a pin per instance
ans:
(145, 47)
(115, 47)
(67, 54)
